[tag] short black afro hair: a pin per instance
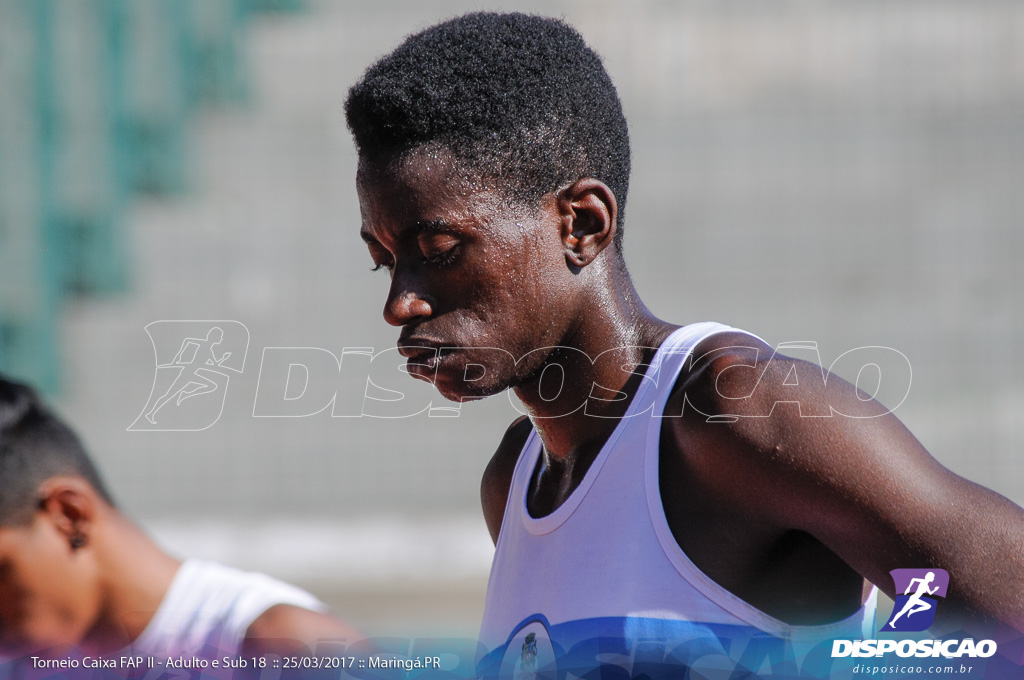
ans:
(35, 446)
(519, 98)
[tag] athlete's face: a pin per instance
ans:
(479, 284)
(49, 594)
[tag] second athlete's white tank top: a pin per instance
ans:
(209, 607)
(602, 579)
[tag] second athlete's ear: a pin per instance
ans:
(588, 211)
(70, 505)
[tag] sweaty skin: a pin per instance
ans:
(791, 514)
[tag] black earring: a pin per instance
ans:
(78, 540)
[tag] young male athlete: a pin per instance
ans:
(78, 577)
(669, 483)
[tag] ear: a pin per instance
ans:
(588, 211)
(70, 503)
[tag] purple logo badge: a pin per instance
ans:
(914, 610)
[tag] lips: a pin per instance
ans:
(424, 356)
(418, 349)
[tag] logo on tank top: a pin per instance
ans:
(528, 652)
(528, 659)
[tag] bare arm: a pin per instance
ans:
(863, 486)
(497, 479)
(287, 630)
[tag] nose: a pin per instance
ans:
(405, 306)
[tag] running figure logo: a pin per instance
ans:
(914, 610)
(205, 353)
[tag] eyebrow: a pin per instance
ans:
(434, 225)
(421, 226)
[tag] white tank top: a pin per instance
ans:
(209, 607)
(604, 572)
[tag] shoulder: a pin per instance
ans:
(281, 617)
(710, 428)
(720, 351)
(721, 377)
(287, 629)
(494, 487)
(769, 432)
(784, 443)
(739, 382)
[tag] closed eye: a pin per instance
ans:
(444, 259)
(381, 256)
(439, 249)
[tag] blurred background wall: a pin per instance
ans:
(847, 173)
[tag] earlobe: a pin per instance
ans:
(70, 505)
(588, 210)
(78, 540)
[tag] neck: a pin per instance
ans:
(614, 333)
(137, 575)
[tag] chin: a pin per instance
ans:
(462, 391)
